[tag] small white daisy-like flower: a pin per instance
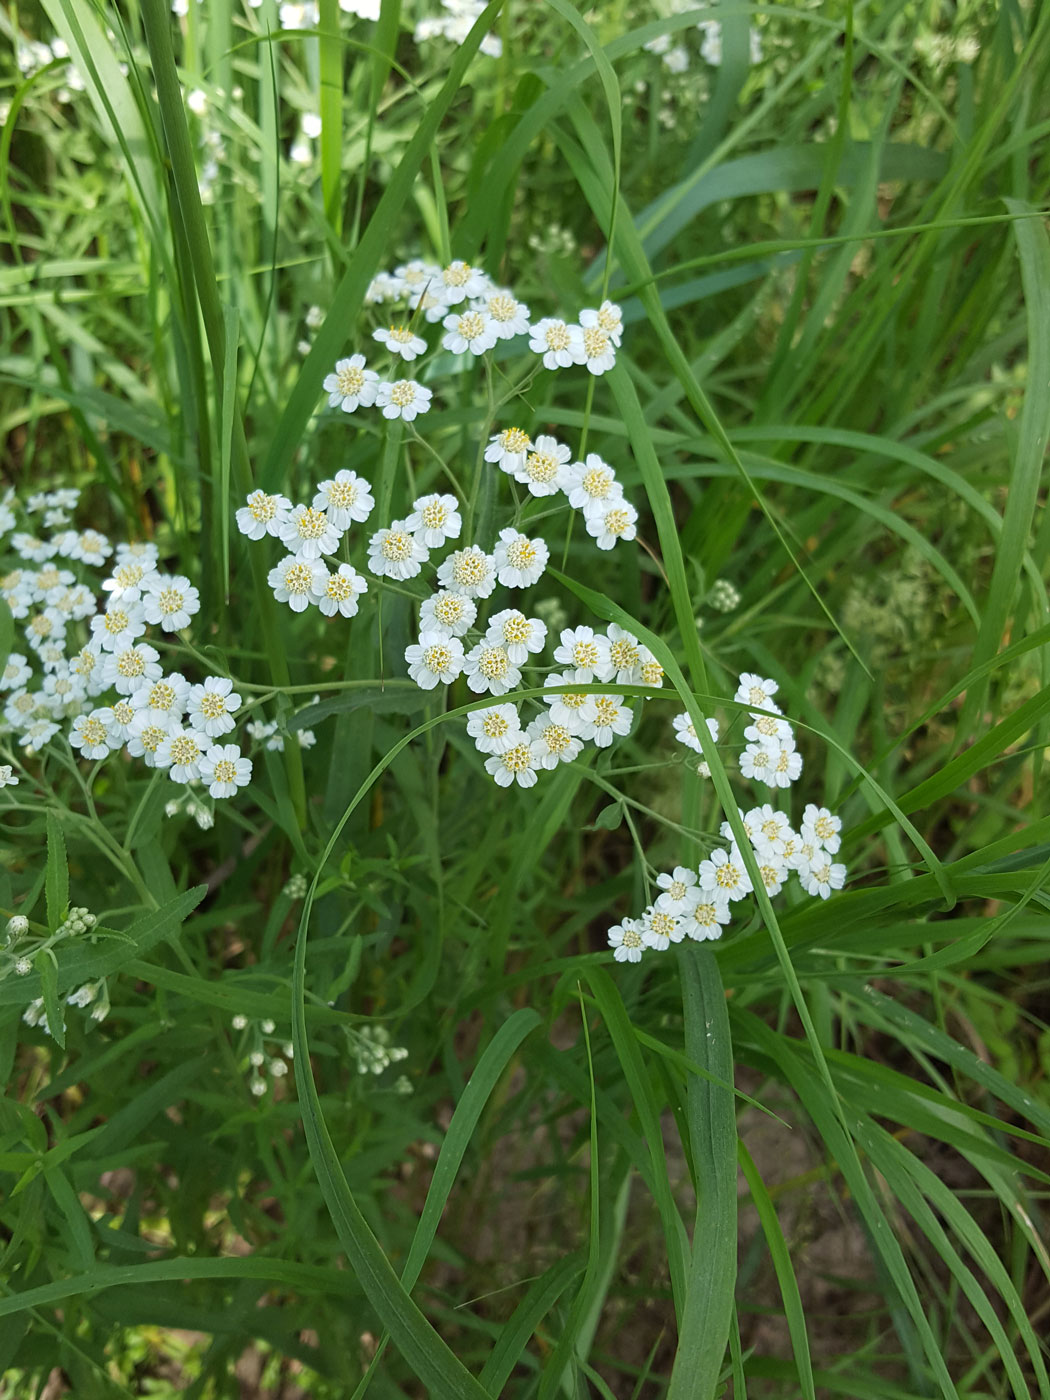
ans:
(586, 652)
(8, 778)
(130, 669)
(488, 667)
(293, 580)
(403, 399)
(768, 830)
(508, 316)
(680, 891)
(143, 552)
(544, 466)
(145, 739)
(88, 546)
(650, 672)
(598, 350)
(35, 551)
(263, 514)
(46, 627)
(591, 485)
(821, 876)
(660, 928)
(773, 870)
(38, 733)
(435, 520)
(224, 769)
(60, 689)
(401, 340)
(180, 752)
(758, 761)
(724, 874)
(469, 333)
(395, 552)
(768, 729)
(559, 343)
(757, 691)
(51, 583)
(119, 626)
(626, 941)
(515, 765)
(346, 499)
(552, 743)
(520, 635)
(508, 449)
(17, 672)
(124, 585)
(382, 287)
(624, 657)
(338, 592)
(210, 707)
(170, 601)
(452, 614)
(52, 656)
(162, 701)
(78, 602)
(707, 919)
(470, 572)
(435, 660)
(567, 709)
(351, 385)
(23, 706)
(747, 821)
(460, 282)
(496, 729)
(90, 735)
(788, 765)
(608, 318)
(411, 278)
(602, 717)
(118, 720)
(611, 523)
(519, 561)
(821, 827)
(310, 533)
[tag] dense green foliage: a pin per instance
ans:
(833, 393)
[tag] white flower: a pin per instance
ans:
(509, 317)
(35, 551)
(711, 48)
(8, 779)
(293, 580)
(650, 672)
(680, 894)
(90, 735)
(128, 670)
(310, 533)
(210, 707)
(351, 385)
(591, 485)
(519, 561)
(560, 344)
(788, 765)
(607, 318)
(411, 279)
(119, 627)
(46, 627)
(768, 830)
(821, 828)
(543, 468)
(61, 689)
(460, 282)
(224, 769)
(180, 752)
(469, 332)
(145, 739)
(626, 941)
(598, 350)
(758, 761)
(470, 572)
(659, 928)
(50, 584)
(39, 733)
(434, 660)
(624, 657)
(747, 821)
(123, 585)
(339, 592)
(820, 877)
(17, 672)
(685, 732)
(345, 498)
(516, 764)
(508, 450)
(382, 287)
(768, 729)
(401, 340)
(757, 691)
(552, 743)
(676, 60)
(162, 702)
(707, 919)
(488, 667)
(610, 523)
(602, 716)
(724, 875)
(89, 546)
(403, 399)
(449, 613)
(434, 520)
(586, 652)
(118, 720)
(169, 600)
(773, 870)
(78, 602)
(496, 729)
(395, 552)
(567, 709)
(142, 552)
(363, 9)
(520, 635)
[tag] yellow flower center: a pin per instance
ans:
(161, 696)
(522, 554)
(595, 342)
(662, 924)
(403, 393)
(624, 655)
(401, 334)
(184, 750)
(339, 587)
(514, 440)
(607, 710)
(448, 609)
(617, 521)
(471, 325)
(502, 308)
(130, 664)
(123, 712)
(116, 622)
(557, 336)
(652, 673)
(727, 876)
(495, 726)
(518, 759)
(42, 626)
(212, 704)
(151, 738)
(756, 695)
(298, 578)
(541, 466)
(557, 738)
(608, 319)
(349, 380)
(517, 629)
(311, 524)
(824, 827)
(434, 515)
(225, 771)
(597, 482)
(493, 663)
(93, 732)
(676, 889)
(342, 494)
(457, 274)
(770, 875)
(397, 546)
(47, 578)
(470, 569)
(437, 659)
(585, 655)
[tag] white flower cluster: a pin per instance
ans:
(83, 652)
(676, 57)
(372, 1050)
(698, 903)
(257, 1059)
(309, 534)
(545, 468)
(770, 756)
(456, 24)
(21, 944)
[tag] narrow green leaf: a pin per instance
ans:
(7, 634)
(44, 963)
(56, 884)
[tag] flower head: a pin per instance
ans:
(224, 769)
(519, 561)
(435, 520)
(345, 498)
(293, 581)
(470, 572)
(395, 552)
(435, 660)
(170, 601)
(351, 385)
(403, 399)
(263, 514)
(496, 729)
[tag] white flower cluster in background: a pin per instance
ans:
(676, 57)
(372, 1050)
(256, 1055)
(88, 667)
(770, 755)
(698, 903)
(455, 24)
(21, 942)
